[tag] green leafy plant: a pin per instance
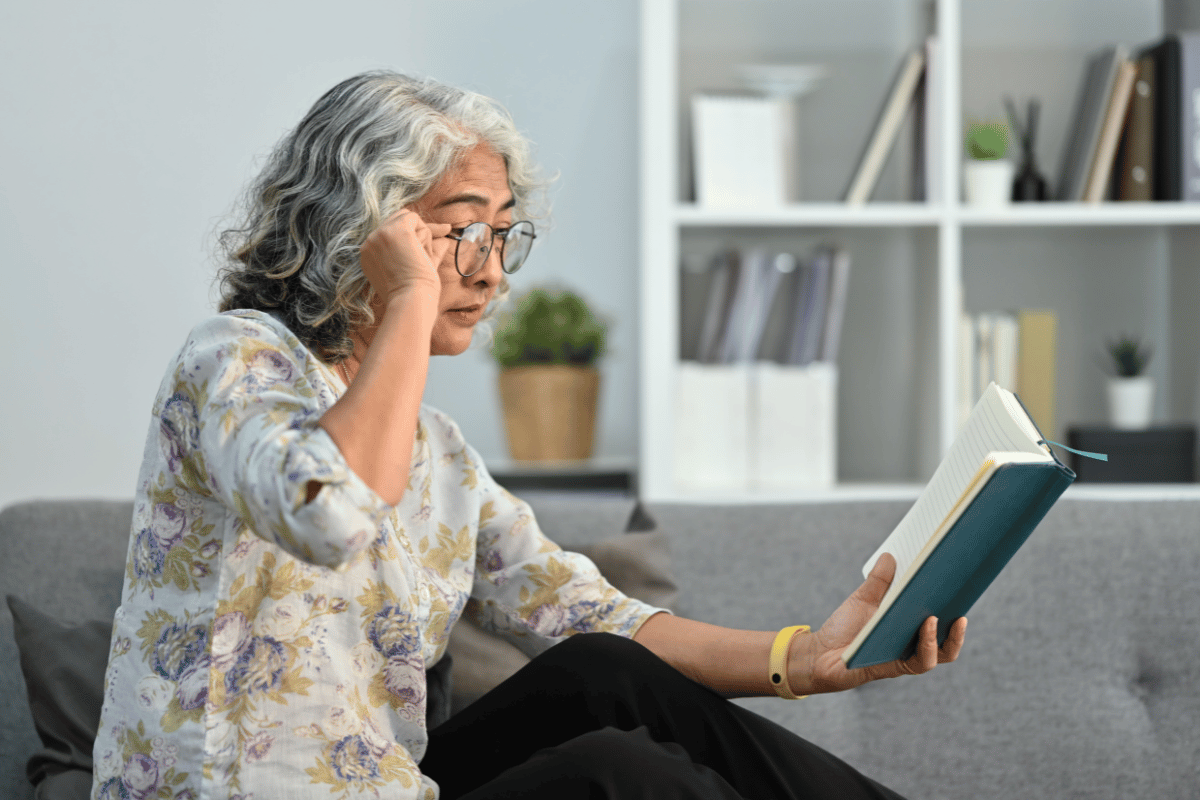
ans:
(549, 327)
(1129, 356)
(987, 141)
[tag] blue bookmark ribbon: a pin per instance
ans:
(1084, 453)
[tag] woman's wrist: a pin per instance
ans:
(802, 659)
(413, 297)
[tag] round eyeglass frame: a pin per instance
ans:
(521, 228)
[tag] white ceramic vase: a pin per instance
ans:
(1131, 402)
(988, 184)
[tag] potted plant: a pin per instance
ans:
(987, 175)
(1130, 390)
(547, 347)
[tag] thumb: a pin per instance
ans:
(880, 578)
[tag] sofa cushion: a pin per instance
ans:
(63, 665)
(66, 559)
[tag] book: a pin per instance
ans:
(1037, 365)
(810, 302)
(931, 156)
(1168, 149)
(744, 148)
(927, 143)
(743, 306)
(1099, 178)
(991, 340)
(1189, 67)
(887, 126)
(777, 326)
(839, 287)
(996, 483)
(1081, 143)
(716, 311)
(769, 270)
(1135, 167)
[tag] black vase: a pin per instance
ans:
(1029, 184)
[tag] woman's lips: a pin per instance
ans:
(467, 315)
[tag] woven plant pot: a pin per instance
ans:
(550, 411)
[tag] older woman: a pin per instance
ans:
(306, 532)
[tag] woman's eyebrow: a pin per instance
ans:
(476, 200)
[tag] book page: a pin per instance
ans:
(991, 428)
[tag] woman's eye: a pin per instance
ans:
(456, 232)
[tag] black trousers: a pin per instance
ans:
(600, 716)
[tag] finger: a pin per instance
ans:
(954, 641)
(880, 578)
(926, 657)
(439, 230)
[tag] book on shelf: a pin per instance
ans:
(1016, 350)
(994, 486)
(811, 301)
(1100, 174)
(927, 144)
(835, 315)
(744, 150)
(760, 305)
(718, 296)
(1037, 365)
(887, 126)
(1135, 159)
(1175, 88)
(1189, 87)
(1168, 164)
(1091, 109)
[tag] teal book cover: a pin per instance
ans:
(968, 558)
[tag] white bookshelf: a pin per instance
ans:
(918, 265)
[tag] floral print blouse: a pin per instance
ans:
(270, 648)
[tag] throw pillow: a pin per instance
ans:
(637, 562)
(63, 666)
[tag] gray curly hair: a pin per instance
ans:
(371, 145)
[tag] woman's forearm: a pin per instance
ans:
(375, 421)
(729, 661)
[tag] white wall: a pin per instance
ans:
(128, 128)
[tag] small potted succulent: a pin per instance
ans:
(547, 347)
(1130, 390)
(987, 175)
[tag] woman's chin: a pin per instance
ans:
(450, 343)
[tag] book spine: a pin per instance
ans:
(1136, 170)
(886, 128)
(1189, 57)
(1114, 121)
(1036, 365)
(1167, 147)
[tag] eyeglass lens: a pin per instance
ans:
(476, 245)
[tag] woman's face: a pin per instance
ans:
(475, 191)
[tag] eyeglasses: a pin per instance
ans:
(475, 245)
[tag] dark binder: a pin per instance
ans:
(1168, 148)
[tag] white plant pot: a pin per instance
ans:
(988, 183)
(1131, 402)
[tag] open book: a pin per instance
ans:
(991, 490)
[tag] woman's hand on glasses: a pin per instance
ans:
(402, 255)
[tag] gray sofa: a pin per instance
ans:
(1080, 678)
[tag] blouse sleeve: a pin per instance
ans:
(238, 420)
(532, 590)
